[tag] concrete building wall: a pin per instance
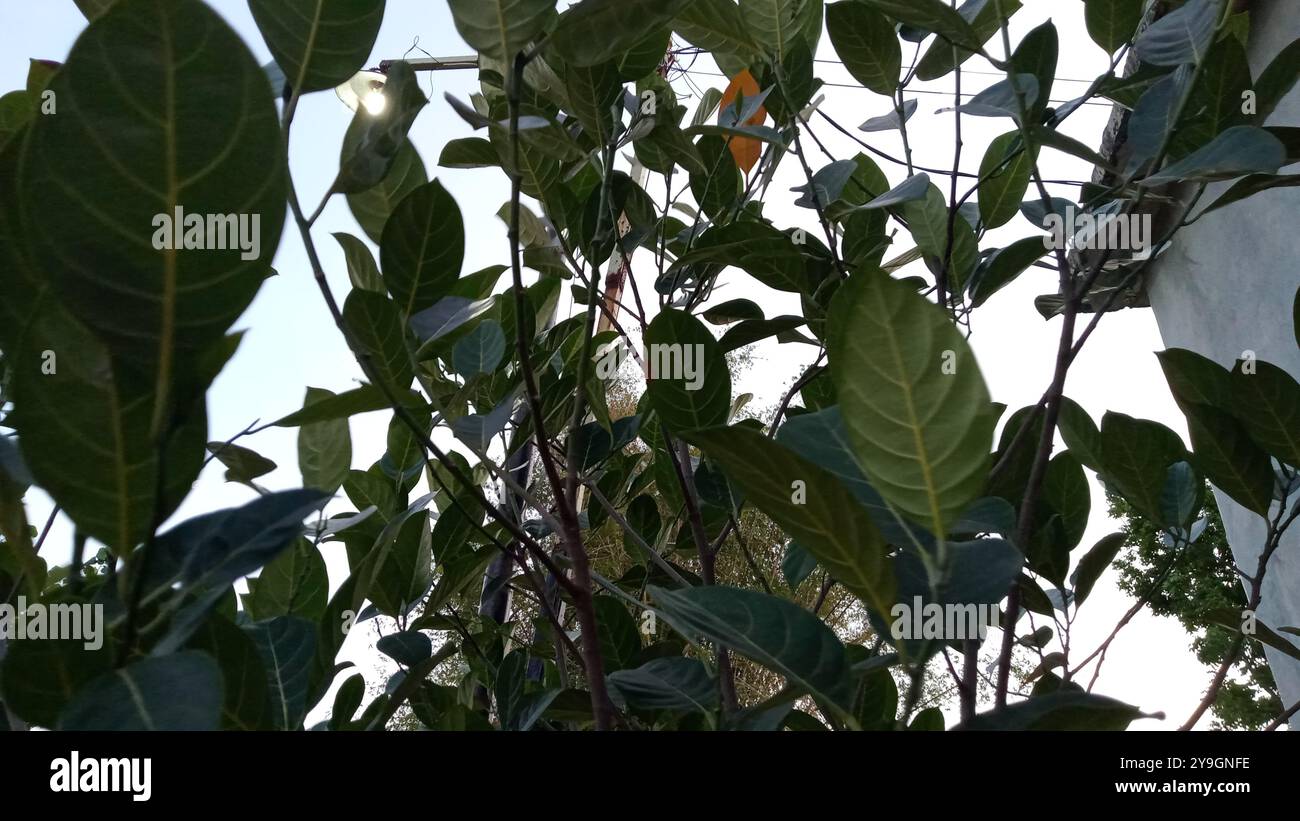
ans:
(1227, 286)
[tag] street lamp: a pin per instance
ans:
(366, 88)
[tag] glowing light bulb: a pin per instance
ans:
(375, 102)
(364, 90)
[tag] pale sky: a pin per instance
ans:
(292, 342)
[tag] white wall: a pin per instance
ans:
(1227, 286)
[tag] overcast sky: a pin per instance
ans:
(292, 343)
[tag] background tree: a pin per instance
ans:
(639, 530)
(1190, 585)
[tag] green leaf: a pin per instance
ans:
(409, 647)
(822, 439)
(913, 189)
(755, 330)
(797, 565)
(1000, 193)
(594, 91)
(41, 677)
(914, 401)
(1037, 54)
(809, 504)
(1182, 36)
(672, 683)
(1080, 433)
(1277, 81)
(295, 583)
(479, 429)
(689, 383)
(211, 551)
(450, 313)
(927, 219)
(731, 311)
(1240, 150)
(985, 21)
(645, 56)
(1111, 23)
(362, 269)
(718, 27)
(324, 448)
(244, 697)
(617, 633)
(93, 8)
(519, 709)
(1217, 99)
(1251, 185)
(16, 111)
(932, 16)
(1153, 118)
(1004, 98)
(380, 334)
(1231, 619)
(422, 248)
(1136, 454)
(893, 121)
(469, 152)
(347, 700)
(774, 24)
(242, 464)
(1222, 448)
(596, 31)
(142, 696)
(287, 646)
(319, 45)
(372, 207)
(1268, 404)
(1180, 498)
(1050, 137)
(501, 28)
(1068, 710)
(865, 41)
(1093, 564)
(775, 633)
(717, 190)
(404, 569)
(479, 351)
(340, 406)
(94, 397)
(930, 720)
(1065, 491)
(1004, 266)
(133, 75)
(758, 249)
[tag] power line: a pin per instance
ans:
(909, 91)
(972, 71)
